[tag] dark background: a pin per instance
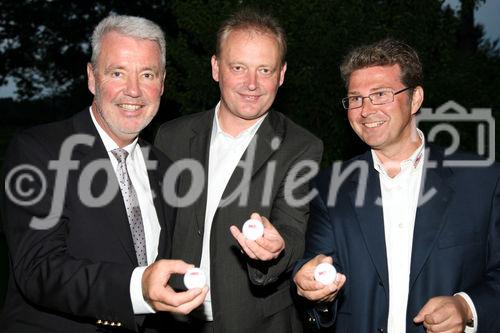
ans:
(44, 47)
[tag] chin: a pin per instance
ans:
(256, 113)
(252, 117)
(245, 115)
(130, 131)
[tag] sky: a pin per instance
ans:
(487, 15)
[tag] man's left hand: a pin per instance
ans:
(265, 248)
(444, 314)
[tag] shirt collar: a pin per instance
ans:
(109, 143)
(410, 163)
(217, 129)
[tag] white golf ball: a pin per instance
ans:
(325, 273)
(253, 229)
(194, 278)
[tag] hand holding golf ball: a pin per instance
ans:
(253, 229)
(325, 273)
(194, 278)
(258, 238)
(318, 280)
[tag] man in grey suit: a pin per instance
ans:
(257, 163)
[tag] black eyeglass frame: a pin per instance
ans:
(345, 100)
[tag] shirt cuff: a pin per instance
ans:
(469, 329)
(139, 305)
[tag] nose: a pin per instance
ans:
(251, 80)
(132, 87)
(367, 108)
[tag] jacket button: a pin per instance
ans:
(380, 330)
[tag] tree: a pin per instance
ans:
(45, 47)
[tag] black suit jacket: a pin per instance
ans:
(456, 243)
(75, 275)
(247, 296)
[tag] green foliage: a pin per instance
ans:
(45, 47)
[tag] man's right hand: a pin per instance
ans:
(313, 290)
(161, 296)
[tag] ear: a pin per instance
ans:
(215, 68)
(417, 99)
(90, 78)
(163, 81)
(282, 74)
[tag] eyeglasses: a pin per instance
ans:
(377, 98)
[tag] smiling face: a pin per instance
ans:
(390, 128)
(127, 85)
(249, 73)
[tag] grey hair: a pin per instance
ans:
(131, 26)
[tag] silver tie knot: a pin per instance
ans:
(120, 154)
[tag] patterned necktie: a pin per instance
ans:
(132, 206)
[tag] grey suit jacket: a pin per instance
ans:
(247, 295)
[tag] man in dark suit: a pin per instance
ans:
(416, 236)
(83, 215)
(256, 163)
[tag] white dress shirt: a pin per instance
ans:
(138, 173)
(399, 201)
(225, 153)
(400, 196)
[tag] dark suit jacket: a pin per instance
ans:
(66, 278)
(456, 244)
(247, 296)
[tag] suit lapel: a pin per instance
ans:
(272, 128)
(114, 212)
(198, 150)
(371, 220)
(431, 213)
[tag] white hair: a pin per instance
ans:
(131, 26)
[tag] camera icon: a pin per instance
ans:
(451, 112)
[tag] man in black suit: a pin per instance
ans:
(256, 163)
(83, 215)
(415, 231)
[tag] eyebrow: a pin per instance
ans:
(154, 69)
(355, 92)
(111, 68)
(241, 63)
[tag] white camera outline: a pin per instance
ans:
(460, 114)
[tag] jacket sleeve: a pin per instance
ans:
(319, 240)
(289, 219)
(486, 294)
